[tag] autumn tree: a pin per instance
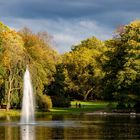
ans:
(12, 53)
(40, 57)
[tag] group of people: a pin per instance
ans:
(78, 105)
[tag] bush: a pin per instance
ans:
(15, 101)
(44, 103)
(60, 101)
(137, 107)
(110, 106)
(121, 105)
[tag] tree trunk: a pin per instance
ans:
(87, 93)
(9, 94)
(8, 100)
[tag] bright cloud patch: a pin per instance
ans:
(65, 32)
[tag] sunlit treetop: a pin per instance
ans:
(3, 27)
(91, 43)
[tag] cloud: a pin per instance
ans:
(65, 32)
(70, 21)
(66, 8)
(71, 32)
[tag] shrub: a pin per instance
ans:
(121, 105)
(137, 107)
(110, 105)
(15, 101)
(60, 101)
(44, 103)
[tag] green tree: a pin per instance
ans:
(57, 88)
(123, 66)
(84, 69)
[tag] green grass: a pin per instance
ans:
(12, 112)
(93, 104)
(85, 107)
(72, 110)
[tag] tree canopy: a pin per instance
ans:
(18, 49)
(92, 70)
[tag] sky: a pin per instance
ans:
(69, 21)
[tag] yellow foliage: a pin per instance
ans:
(12, 45)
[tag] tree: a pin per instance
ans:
(16, 51)
(40, 57)
(83, 69)
(12, 54)
(123, 67)
(57, 88)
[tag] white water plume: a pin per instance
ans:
(27, 114)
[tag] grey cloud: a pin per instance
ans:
(106, 12)
(68, 18)
(66, 8)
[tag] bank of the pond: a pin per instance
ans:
(11, 112)
(77, 107)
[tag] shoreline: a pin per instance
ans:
(113, 114)
(99, 112)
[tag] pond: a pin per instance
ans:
(72, 127)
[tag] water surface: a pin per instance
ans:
(71, 127)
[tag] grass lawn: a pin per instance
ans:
(85, 107)
(90, 104)
(11, 112)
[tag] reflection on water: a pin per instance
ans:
(27, 132)
(73, 127)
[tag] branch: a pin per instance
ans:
(15, 88)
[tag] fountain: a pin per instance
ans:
(27, 114)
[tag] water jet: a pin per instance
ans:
(28, 109)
